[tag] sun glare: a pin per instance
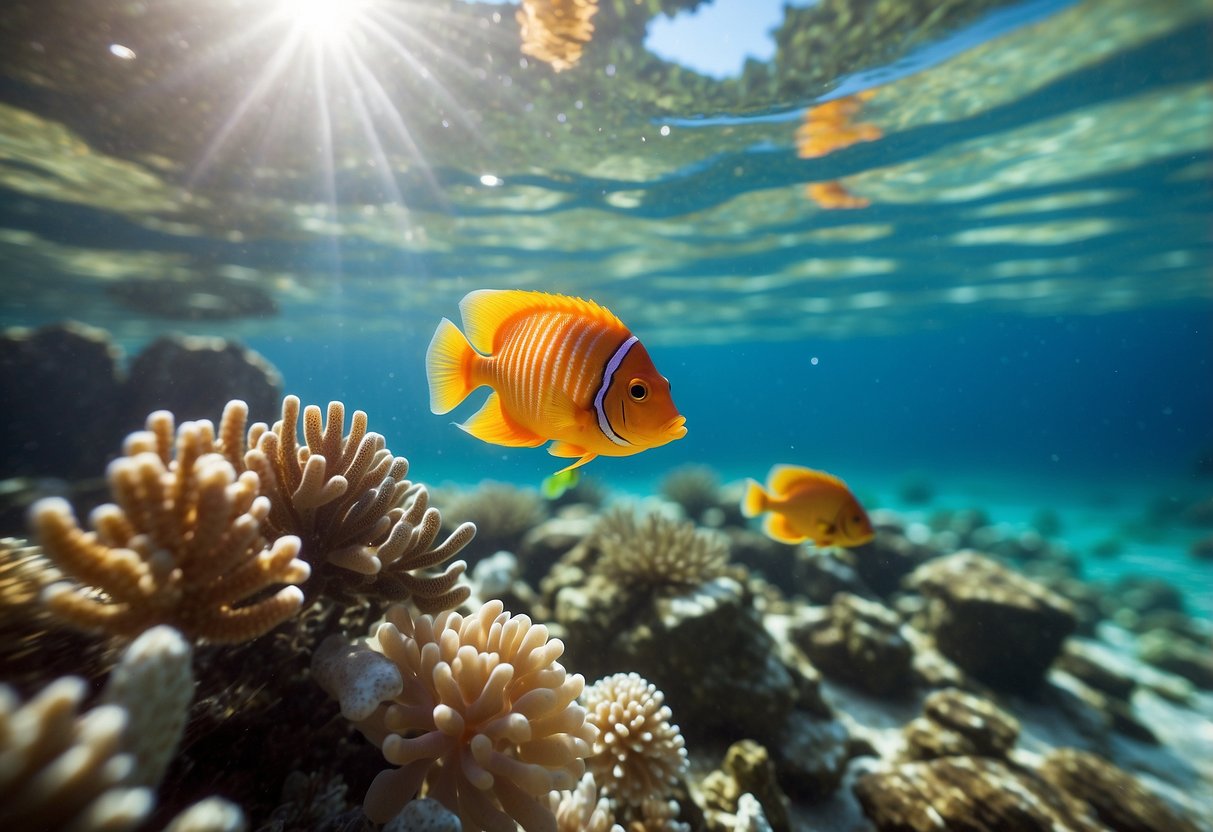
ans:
(322, 20)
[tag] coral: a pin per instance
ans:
(502, 514)
(154, 684)
(364, 528)
(694, 487)
(556, 31)
(639, 754)
(582, 809)
(747, 770)
(956, 723)
(358, 677)
(184, 545)
(60, 769)
(658, 552)
(487, 718)
(212, 814)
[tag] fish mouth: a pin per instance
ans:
(676, 429)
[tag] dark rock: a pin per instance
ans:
(883, 563)
(820, 574)
(955, 723)
(1145, 595)
(203, 297)
(972, 794)
(1119, 799)
(544, 545)
(993, 623)
(776, 562)
(811, 756)
(859, 643)
(1202, 549)
(61, 390)
(195, 377)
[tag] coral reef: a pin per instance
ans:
(365, 529)
(502, 513)
(747, 770)
(184, 545)
(955, 723)
(695, 488)
(639, 754)
(656, 552)
(486, 718)
(583, 809)
(859, 642)
(556, 31)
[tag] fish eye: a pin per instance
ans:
(855, 519)
(638, 390)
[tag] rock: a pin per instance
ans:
(776, 562)
(1120, 800)
(61, 390)
(195, 377)
(1097, 668)
(820, 574)
(883, 563)
(968, 793)
(747, 770)
(1178, 656)
(811, 756)
(544, 545)
(999, 626)
(859, 643)
(424, 815)
(955, 723)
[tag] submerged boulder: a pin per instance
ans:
(994, 623)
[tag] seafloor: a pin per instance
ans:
(963, 671)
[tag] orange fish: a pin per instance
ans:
(561, 368)
(804, 504)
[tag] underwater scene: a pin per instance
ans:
(606, 415)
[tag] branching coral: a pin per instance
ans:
(60, 769)
(639, 755)
(502, 514)
(556, 31)
(657, 551)
(486, 718)
(364, 527)
(184, 545)
(582, 809)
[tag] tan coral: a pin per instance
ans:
(365, 528)
(656, 551)
(487, 718)
(583, 809)
(556, 31)
(60, 769)
(639, 754)
(184, 545)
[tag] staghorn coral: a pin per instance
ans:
(365, 529)
(582, 809)
(657, 552)
(639, 755)
(184, 545)
(556, 31)
(60, 769)
(487, 718)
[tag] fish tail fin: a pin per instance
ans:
(448, 365)
(754, 502)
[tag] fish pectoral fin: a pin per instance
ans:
(491, 424)
(778, 528)
(587, 456)
(561, 415)
(562, 448)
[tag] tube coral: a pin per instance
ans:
(556, 31)
(487, 719)
(365, 528)
(184, 544)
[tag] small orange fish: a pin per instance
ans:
(561, 368)
(804, 504)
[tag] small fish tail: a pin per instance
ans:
(755, 500)
(448, 364)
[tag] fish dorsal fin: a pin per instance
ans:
(486, 310)
(784, 479)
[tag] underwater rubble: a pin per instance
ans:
(268, 630)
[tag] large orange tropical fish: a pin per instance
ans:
(561, 368)
(803, 504)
